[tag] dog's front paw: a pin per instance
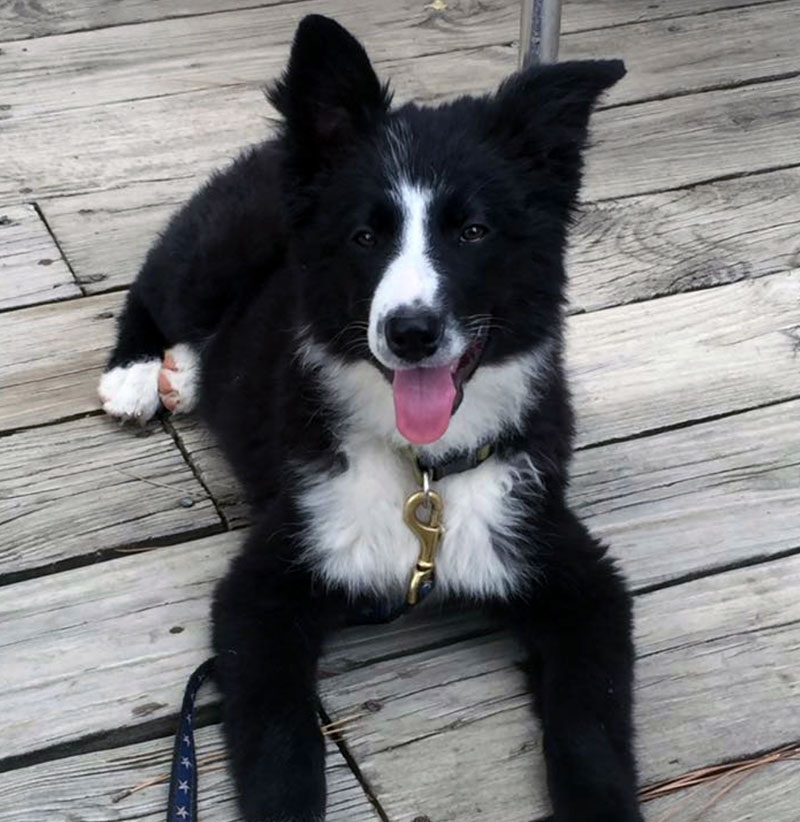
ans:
(130, 392)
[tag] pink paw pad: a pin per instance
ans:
(177, 379)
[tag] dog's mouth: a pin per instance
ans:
(425, 399)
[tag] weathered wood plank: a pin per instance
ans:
(167, 137)
(246, 47)
(706, 496)
(578, 15)
(82, 488)
(770, 793)
(671, 143)
(105, 647)
(670, 505)
(32, 269)
(109, 647)
(661, 56)
(638, 248)
(27, 19)
(51, 357)
(656, 53)
(675, 56)
(150, 616)
(95, 786)
(670, 361)
(650, 365)
(632, 155)
(106, 235)
(212, 468)
(706, 650)
(622, 250)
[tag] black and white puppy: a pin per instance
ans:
(376, 287)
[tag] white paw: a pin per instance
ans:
(178, 381)
(130, 392)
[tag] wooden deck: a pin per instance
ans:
(683, 346)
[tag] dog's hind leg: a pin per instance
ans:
(129, 386)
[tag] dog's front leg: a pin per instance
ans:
(574, 619)
(268, 631)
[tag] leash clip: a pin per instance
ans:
(429, 531)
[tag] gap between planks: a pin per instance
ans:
(739, 355)
(731, 639)
(55, 17)
(716, 501)
(718, 613)
(664, 357)
(133, 154)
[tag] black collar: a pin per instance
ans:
(453, 464)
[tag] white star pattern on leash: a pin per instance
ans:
(182, 812)
(185, 762)
(183, 786)
(186, 739)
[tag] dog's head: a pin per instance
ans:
(430, 240)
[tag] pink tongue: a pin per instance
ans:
(423, 402)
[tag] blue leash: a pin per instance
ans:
(183, 776)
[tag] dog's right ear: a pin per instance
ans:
(329, 93)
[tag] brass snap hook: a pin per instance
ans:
(429, 533)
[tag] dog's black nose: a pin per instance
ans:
(413, 335)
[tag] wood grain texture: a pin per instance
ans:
(686, 140)
(94, 787)
(213, 469)
(109, 647)
(147, 626)
(120, 143)
(665, 57)
(687, 357)
(670, 361)
(82, 488)
(670, 505)
(770, 793)
(218, 97)
(649, 366)
(36, 18)
(578, 15)
(211, 108)
(702, 497)
(24, 19)
(51, 357)
(190, 54)
(106, 647)
(622, 251)
(464, 708)
(247, 47)
(106, 235)
(32, 269)
(638, 248)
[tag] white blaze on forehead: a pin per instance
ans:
(410, 277)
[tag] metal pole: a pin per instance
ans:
(540, 26)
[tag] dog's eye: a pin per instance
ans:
(364, 237)
(473, 233)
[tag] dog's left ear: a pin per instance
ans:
(329, 93)
(541, 116)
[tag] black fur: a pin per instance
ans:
(264, 250)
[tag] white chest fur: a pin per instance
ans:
(357, 538)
